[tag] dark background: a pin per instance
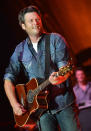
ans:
(71, 19)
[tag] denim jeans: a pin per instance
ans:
(66, 119)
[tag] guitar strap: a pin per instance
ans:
(47, 56)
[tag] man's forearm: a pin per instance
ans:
(10, 92)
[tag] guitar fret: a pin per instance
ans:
(41, 87)
(61, 72)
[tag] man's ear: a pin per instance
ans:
(23, 26)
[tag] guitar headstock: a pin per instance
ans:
(64, 70)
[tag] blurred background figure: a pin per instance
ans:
(82, 90)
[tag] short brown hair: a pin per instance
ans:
(25, 10)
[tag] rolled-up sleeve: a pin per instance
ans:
(61, 52)
(13, 68)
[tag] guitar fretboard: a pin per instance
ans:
(41, 87)
(61, 72)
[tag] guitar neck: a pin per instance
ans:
(42, 86)
(61, 72)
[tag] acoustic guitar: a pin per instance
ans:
(34, 99)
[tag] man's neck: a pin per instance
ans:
(35, 39)
(82, 85)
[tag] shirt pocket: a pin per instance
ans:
(27, 62)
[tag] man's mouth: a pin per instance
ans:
(36, 27)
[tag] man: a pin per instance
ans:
(82, 90)
(31, 55)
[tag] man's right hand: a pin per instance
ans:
(10, 92)
(18, 109)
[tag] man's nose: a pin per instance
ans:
(35, 22)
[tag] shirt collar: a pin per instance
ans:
(29, 40)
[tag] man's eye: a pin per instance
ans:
(31, 20)
(37, 20)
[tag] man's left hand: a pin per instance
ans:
(55, 80)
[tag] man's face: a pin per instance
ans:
(80, 76)
(33, 24)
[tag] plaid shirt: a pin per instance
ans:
(83, 98)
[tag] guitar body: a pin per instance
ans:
(35, 107)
